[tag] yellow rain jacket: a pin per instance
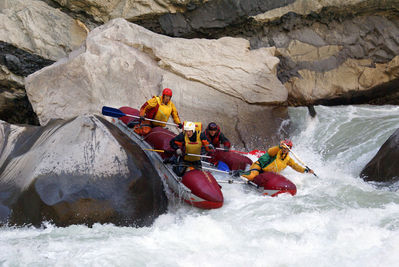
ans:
(277, 165)
(162, 111)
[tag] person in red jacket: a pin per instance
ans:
(157, 108)
(216, 137)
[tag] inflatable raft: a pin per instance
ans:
(197, 188)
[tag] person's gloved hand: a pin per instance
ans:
(236, 173)
(142, 118)
(211, 148)
(226, 149)
(179, 152)
(180, 125)
(307, 169)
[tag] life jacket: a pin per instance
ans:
(151, 112)
(193, 147)
(214, 139)
(277, 163)
(265, 160)
(160, 112)
(163, 112)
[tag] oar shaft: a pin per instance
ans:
(303, 163)
(163, 151)
(138, 117)
(244, 180)
(230, 182)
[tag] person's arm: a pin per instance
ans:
(148, 105)
(295, 166)
(205, 143)
(224, 140)
(273, 151)
(175, 114)
(177, 141)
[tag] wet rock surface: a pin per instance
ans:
(80, 171)
(383, 167)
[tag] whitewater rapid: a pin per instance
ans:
(334, 220)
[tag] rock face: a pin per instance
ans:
(123, 64)
(32, 36)
(79, 171)
(331, 51)
(384, 166)
(104, 10)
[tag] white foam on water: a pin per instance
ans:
(334, 220)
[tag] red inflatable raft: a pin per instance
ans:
(196, 187)
(273, 184)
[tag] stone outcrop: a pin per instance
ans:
(105, 10)
(39, 29)
(32, 36)
(383, 166)
(79, 171)
(123, 64)
(331, 51)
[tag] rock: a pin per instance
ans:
(80, 171)
(105, 10)
(383, 167)
(39, 29)
(123, 64)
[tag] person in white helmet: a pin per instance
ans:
(190, 141)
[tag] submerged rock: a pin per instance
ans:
(383, 167)
(80, 171)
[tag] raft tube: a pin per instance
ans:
(203, 185)
(233, 160)
(274, 184)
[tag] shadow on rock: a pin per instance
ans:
(81, 171)
(384, 166)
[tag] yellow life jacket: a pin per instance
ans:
(163, 112)
(193, 147)
(278, 164)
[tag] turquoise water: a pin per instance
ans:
(334, 220)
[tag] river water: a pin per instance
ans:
(334, 220)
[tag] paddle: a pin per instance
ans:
(299, 159)
(241, 152)
(116, 113)
(230, 174)
(163, 151)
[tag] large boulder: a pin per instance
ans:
(123, 64)
(384, 166)
(83, 170)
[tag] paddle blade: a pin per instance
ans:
(112, 112)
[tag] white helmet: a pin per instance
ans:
(189, 126)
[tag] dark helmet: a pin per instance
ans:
(212, 126)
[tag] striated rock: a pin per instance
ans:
(32, 35)
(105, 10)
(80, 171)
(349, 78)
(39, 29)
(306, 7)
(383, 167)
(123, 64)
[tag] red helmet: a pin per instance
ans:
(286, 142)
(167, 91)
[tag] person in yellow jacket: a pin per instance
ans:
(275, 160)
(157, 108)
(190, 141)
